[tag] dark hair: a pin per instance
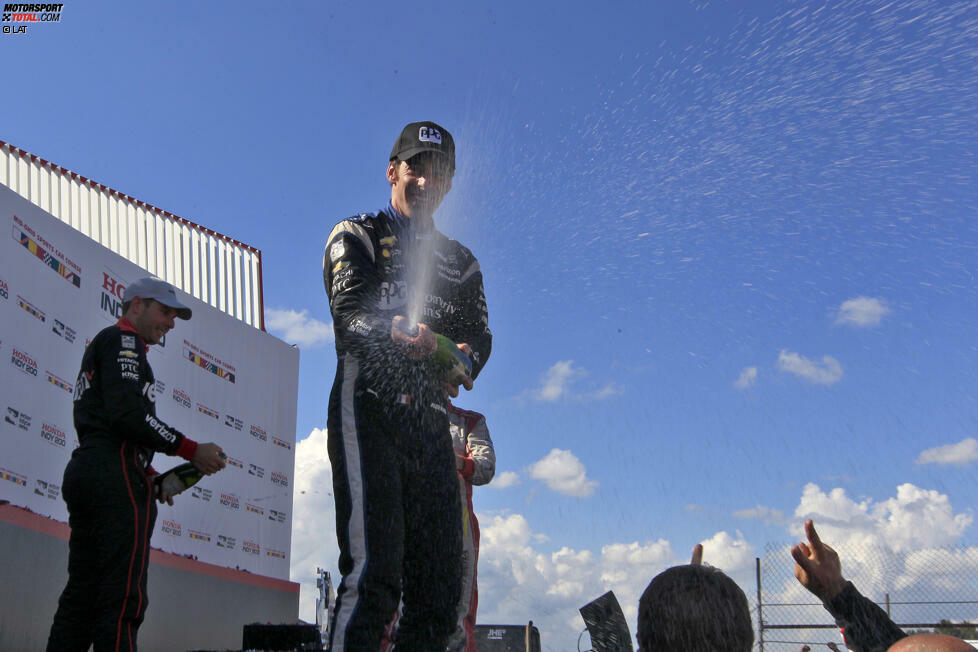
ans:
(694, 609)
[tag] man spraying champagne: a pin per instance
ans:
(394, 480)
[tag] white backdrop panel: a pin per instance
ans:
(218, 380)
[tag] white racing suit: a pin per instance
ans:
(473, 447)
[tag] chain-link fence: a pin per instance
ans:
(918, 589)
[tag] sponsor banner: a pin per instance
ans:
(233, 423)
(202, 493)
(206, 411)
(46, 252)
(13, 476)
(17, 419)
(258, 433)
(53, 435)
(280, 479)
(46, 489)
(197, 535)
(31, 309)
(171, 528)
(60, 286)
(181, 398)
(22, 361)
(66, 333)
(59, 382)
(208, 362)
(278, 554)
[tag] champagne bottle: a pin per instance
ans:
(451, 360)
(181, 477)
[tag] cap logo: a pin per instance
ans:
(429, 135)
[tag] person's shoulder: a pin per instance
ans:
(468, 415)
(115, 337)
(362, 218)
(456, 248)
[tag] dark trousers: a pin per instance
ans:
(111, 514)
(397, 517)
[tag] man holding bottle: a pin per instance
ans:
(395, 283)
(108, 483)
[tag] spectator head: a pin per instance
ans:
(694, 609)
(930, 643)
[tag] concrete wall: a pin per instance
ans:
(192, 605)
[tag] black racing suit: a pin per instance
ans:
(107, 489)
(394, 480)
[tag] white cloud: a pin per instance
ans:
(890, 544)
(761, 513)
(505, 480)
(298, 327)
(313, 518)
(563, 473)
(960, 454)
(557, 380)
(862, 312)
(747, 378)
(915, 518)
(733, 556)
(828, 372)
(556, 384)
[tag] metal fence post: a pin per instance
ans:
(760, 615)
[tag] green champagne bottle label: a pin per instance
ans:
(452, 361)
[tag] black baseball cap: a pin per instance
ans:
(426, 136)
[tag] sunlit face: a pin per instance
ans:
(419, 184)
(151, 319)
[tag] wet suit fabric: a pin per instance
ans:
(107, 489)
(394, 479)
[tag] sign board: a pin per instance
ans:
(217, 379)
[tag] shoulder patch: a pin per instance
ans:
(362, 217)
(129, 341)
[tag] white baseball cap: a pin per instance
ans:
(157, 290)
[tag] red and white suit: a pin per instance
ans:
(476, 466)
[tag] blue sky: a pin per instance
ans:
(728, 250)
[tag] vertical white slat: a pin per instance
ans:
(186, 283)
(236, 266)
(222, 275)
(172, 244)
(150, 218)
(194, 258)
(64, 197)
(212, 269)
(118, 209)
(109, 219)
(257, 318)
(23, 178)
(43, 187)
(246, 271)
(33, 187)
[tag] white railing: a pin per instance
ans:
(212, 267)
